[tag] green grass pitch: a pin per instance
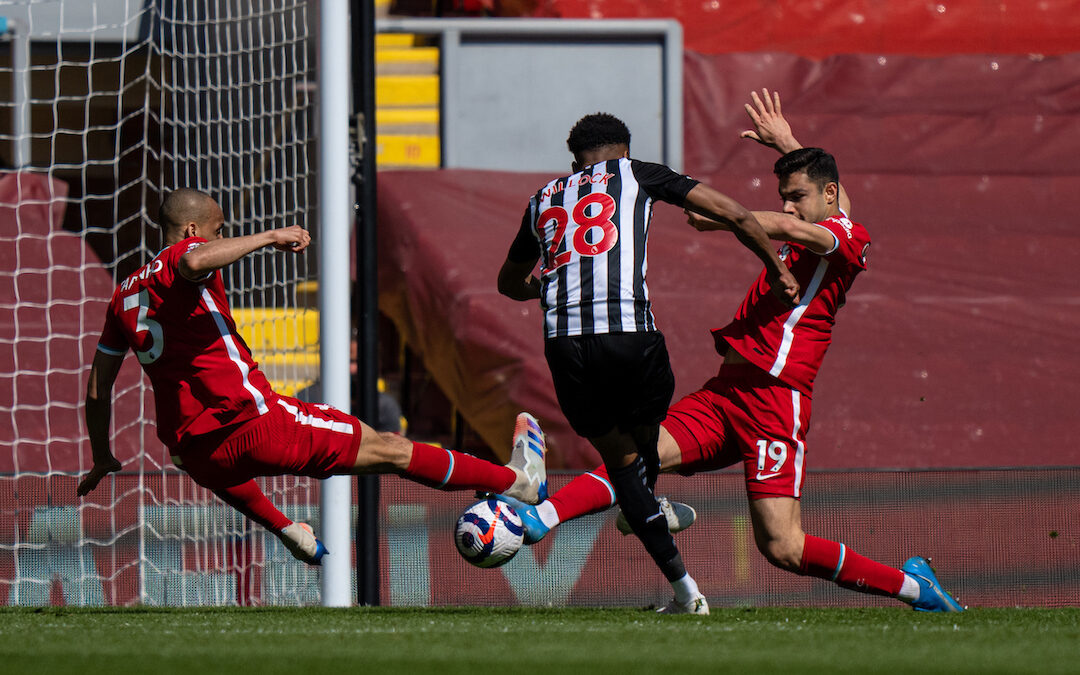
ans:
(524, 641)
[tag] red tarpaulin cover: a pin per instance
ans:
(955, 349)
(819, 29)
(55, 290)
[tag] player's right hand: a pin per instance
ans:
(785, 287)
(292, 239)
(96, 473)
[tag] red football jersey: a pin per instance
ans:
(790, 343)
(201, 370)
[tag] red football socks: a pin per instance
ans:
(249, 500)
(834, 561)
(588, 493)
(452, 470)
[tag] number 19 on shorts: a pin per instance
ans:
(771, 454)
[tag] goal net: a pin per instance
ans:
(105, 106)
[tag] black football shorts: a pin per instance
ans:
(612, 380)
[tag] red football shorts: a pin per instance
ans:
(294, 438)
(744, 414)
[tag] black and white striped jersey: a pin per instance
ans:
(590, 231)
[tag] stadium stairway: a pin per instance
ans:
(407, 102)
(285, 344)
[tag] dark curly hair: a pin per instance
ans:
(820, 166)
(596, 131)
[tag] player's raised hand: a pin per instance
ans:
(770, 127)
(293, 238)
(96, 473)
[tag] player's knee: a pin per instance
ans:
(780, 551)
(383, 451)
(669, 452)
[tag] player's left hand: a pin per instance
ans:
(770, 127)
(96, 473)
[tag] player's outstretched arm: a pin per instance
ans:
(789, 228)
(733, 216)
(213, 255)
(772, 130)
(98, 411)
(779, 226)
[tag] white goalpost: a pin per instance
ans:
(105, 106)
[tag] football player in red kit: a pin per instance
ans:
(757, 409)
(216, 412)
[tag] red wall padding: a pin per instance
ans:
(820, 29)
(955, 349)
(54, 290)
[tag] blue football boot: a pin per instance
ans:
(932, 597)
(535, 529)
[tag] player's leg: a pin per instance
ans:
(592, 492)
(692, 439)
(217, 471)
(298, 538)
(614, 391)
(624, 456)
(770, 421)
(249, 500)
(524, 477)
(779, 536)
(320, 440)
(219, 462)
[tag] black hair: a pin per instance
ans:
(820, 166)
(596, 131)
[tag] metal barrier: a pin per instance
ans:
(512, 88)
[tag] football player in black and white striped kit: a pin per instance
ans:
(589, 230)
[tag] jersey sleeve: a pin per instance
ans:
(174, 253)
(112, 340)
(526, 247)
(852, 242)
(661, 183)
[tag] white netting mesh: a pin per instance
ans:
(104, 106)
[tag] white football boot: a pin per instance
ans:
(527, 461)
(679, 516)
(696, 605)
(300, 539)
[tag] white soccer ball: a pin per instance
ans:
(489, 533)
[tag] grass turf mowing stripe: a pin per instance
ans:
(265, 641)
